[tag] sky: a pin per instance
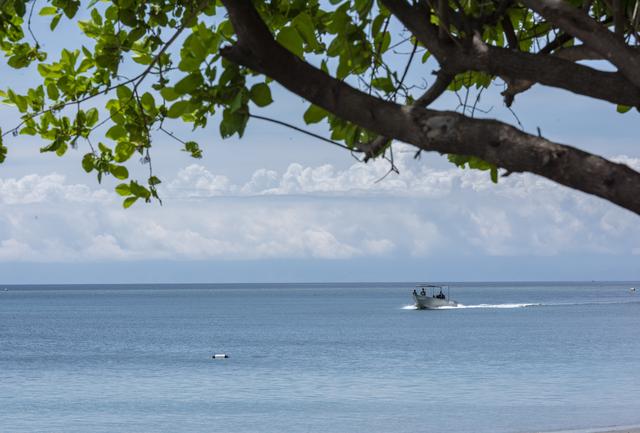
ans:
(278, 206)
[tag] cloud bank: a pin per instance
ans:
(312, 212)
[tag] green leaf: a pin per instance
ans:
(128, 202)
(115, 132)
(124, 150)
(55, 21)
(139, 190)
(142, 58)
(52, 91)
(48, 10)
(289, 38)
(103, 148)
(123, 189)
(27, 130)
(261, 95)
(178, 109)
(193, 148)
(623, 108)
(147, 101)
(188, 84)
(383, 83)
(169, 94)
(3, 149)
(314, 114)
(124, 93)
(119, 171)
(233, 122)
(237, 102)
(306, 29)
(96, 17)
(92, 117)
(88, 162)
(153, 181)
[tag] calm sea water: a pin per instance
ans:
(318, 358)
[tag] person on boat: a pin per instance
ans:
(422, 292)
(414, 292)
(440, 295)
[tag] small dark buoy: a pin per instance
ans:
(220, 356)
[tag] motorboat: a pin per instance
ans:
(430, 297)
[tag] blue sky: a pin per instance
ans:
(280, 206)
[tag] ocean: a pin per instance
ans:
(343, 358)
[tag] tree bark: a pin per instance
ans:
(576, 22)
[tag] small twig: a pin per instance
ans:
(475, 104)
(516, 117)
(392, 168)
(376, 55)
(29, 24)
(172, 135)
(288, 125)
(406, 70)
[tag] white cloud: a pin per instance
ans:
(312, 212)
(197, 181)
(50, 188)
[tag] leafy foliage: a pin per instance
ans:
(144, 64)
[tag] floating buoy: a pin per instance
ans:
(220, 356)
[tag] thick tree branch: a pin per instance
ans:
(440, 131)
(576, 22)
(538, 68)
(510, 33)
(573, 54)
(618, 18)
(443, 15)
(443, 79)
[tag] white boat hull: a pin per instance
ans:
(431, 303)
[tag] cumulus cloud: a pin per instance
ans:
(415, 179)
(359, 179)
(197, 181)
(312, 212)
(34, 188)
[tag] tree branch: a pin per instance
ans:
(443, 79)
(510, 33)
(440, 131)
(538, 68)
(573, 54)
(576, 22)
(618, 18)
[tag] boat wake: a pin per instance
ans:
(462, 306)
(524, 305)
